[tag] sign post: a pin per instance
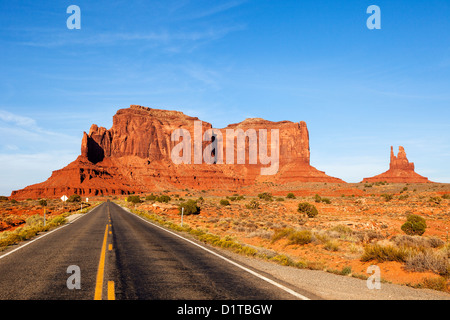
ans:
(182, 212)
(64, 198)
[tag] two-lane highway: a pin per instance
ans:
(121, 256)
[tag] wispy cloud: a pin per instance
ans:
(160, 38)
(216, 10)
(26, 128)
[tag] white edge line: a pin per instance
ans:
(292, 292)
(45, 234)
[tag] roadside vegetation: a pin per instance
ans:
(305, 231)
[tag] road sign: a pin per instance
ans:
(87, 199)
(64, 198)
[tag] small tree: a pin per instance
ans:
(414, 225)
(307, 208)
(290, 195)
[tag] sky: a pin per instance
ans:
(359, 90)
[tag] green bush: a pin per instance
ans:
(290, 195)
(280, 199)
(265, 196)
(317, 198)
(43, 202)
(190, 207)
(224, 202)
(163, 198)
(151, 197)
(307, 208)
(134, 199)
(414, 225)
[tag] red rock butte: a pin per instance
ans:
(400, 170)
(134, 156)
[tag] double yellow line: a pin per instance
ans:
(101, 270)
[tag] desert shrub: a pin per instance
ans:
(367, 235)
(417, 241)
(300, 237)
(253, 204)
(43, 202)
(446, 196)
(342, 229)
(151, 197)
(290, 195)
(331, 245)
(429, 260)
(326, 200)
(403, 197)
(267, 196)
(56, 221)
(34, 220)
(308, 209)
(74, 198)
(414, 225)
(439, 283)
(134, 199)
(224, 202)
(435, 200)
(163, 198)
(13, 201)
(385, 253)
(280, 199)
(190, 207)
(387, 197)
(317, 198)
(282, 233)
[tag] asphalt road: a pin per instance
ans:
(117, 255)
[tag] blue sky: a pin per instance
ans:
(359, 90)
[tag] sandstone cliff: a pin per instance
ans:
(135, 155)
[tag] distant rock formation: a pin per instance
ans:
(135, 156)
(400, 170)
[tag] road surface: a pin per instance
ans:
(111, 254)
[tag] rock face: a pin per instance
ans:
(400, 170)
(136, 155)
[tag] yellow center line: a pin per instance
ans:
(101, 269)
(111, 294)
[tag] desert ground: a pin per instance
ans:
(357, 225)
